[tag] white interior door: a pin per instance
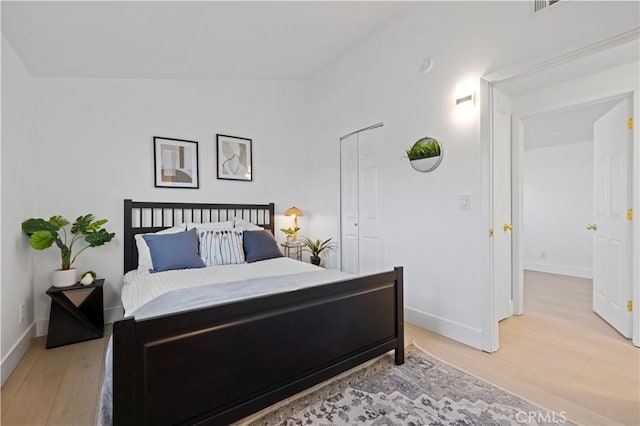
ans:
(361, 248)
(370, 258)
(611, 268)
(501, 205)
(349, 204)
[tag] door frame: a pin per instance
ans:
(490, 334)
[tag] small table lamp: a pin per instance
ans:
(295, 212)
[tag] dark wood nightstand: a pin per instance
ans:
(77, 314)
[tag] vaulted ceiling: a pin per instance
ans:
(191, 40)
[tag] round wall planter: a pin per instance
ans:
(64, 278)
(426, 164)
(431, 152)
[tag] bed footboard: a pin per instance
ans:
(219, 364)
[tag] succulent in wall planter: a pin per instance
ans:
(316, 247)
(44, 233)
(425, 155)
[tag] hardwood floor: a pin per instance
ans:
(559, 355)
(56, 386)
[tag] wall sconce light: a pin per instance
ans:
(465, 100)
(468, 98)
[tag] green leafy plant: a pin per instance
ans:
(315, 247)
(423, 149)
(44, 233)
(290, 231)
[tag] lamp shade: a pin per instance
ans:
(293, 211)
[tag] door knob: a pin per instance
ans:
(355, 224)
(592, 227)
(507, 227)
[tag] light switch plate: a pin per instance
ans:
(464, 201)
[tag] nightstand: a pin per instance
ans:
(77, 314)
(294, 247)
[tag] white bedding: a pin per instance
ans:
(145, 295)
(140, 286)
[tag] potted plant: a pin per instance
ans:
(290, 233)
(44, 233)
(316, 247)
(425, 155)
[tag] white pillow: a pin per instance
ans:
(221, 246)
(211, 226)
(245, 225)
(144, 254)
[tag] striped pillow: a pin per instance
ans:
(221, 247)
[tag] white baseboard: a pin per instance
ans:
(453, 330)
(571, 271)
(15, 354)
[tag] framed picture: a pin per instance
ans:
(175, 163)
(234, 158)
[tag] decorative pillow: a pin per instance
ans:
(260, 245)
(211, 226)
(174, 251)
(245, 225)
(144, 256)
(221, 247)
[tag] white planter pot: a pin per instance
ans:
(64, 278)
(426, 164)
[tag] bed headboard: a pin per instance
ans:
(142, 217)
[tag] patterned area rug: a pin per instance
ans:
(423, 391)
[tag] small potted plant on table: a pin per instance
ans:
(43, 233)
(316, 247)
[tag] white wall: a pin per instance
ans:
(18, 179)
(439, 245)
(96, 146)
(558, 205)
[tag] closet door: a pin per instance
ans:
(370, 246)
(349, 203)
(361, 248)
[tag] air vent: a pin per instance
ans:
(539, 5)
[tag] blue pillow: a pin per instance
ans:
(174, 251)
(259, 245)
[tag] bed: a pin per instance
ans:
(217, 364)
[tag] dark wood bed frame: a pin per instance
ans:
(218, 364)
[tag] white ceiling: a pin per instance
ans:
(192, 40)
(564, 127)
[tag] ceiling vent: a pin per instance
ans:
(540, 5)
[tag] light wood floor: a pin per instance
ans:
(559, 355)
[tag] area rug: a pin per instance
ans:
(422, 391)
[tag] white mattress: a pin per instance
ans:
(141, 287)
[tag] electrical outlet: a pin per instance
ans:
(22, 312)
(543, 254)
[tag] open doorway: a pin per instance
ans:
(508, 97)
(574, 266)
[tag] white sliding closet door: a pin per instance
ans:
(349, 203)
(360, 177)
